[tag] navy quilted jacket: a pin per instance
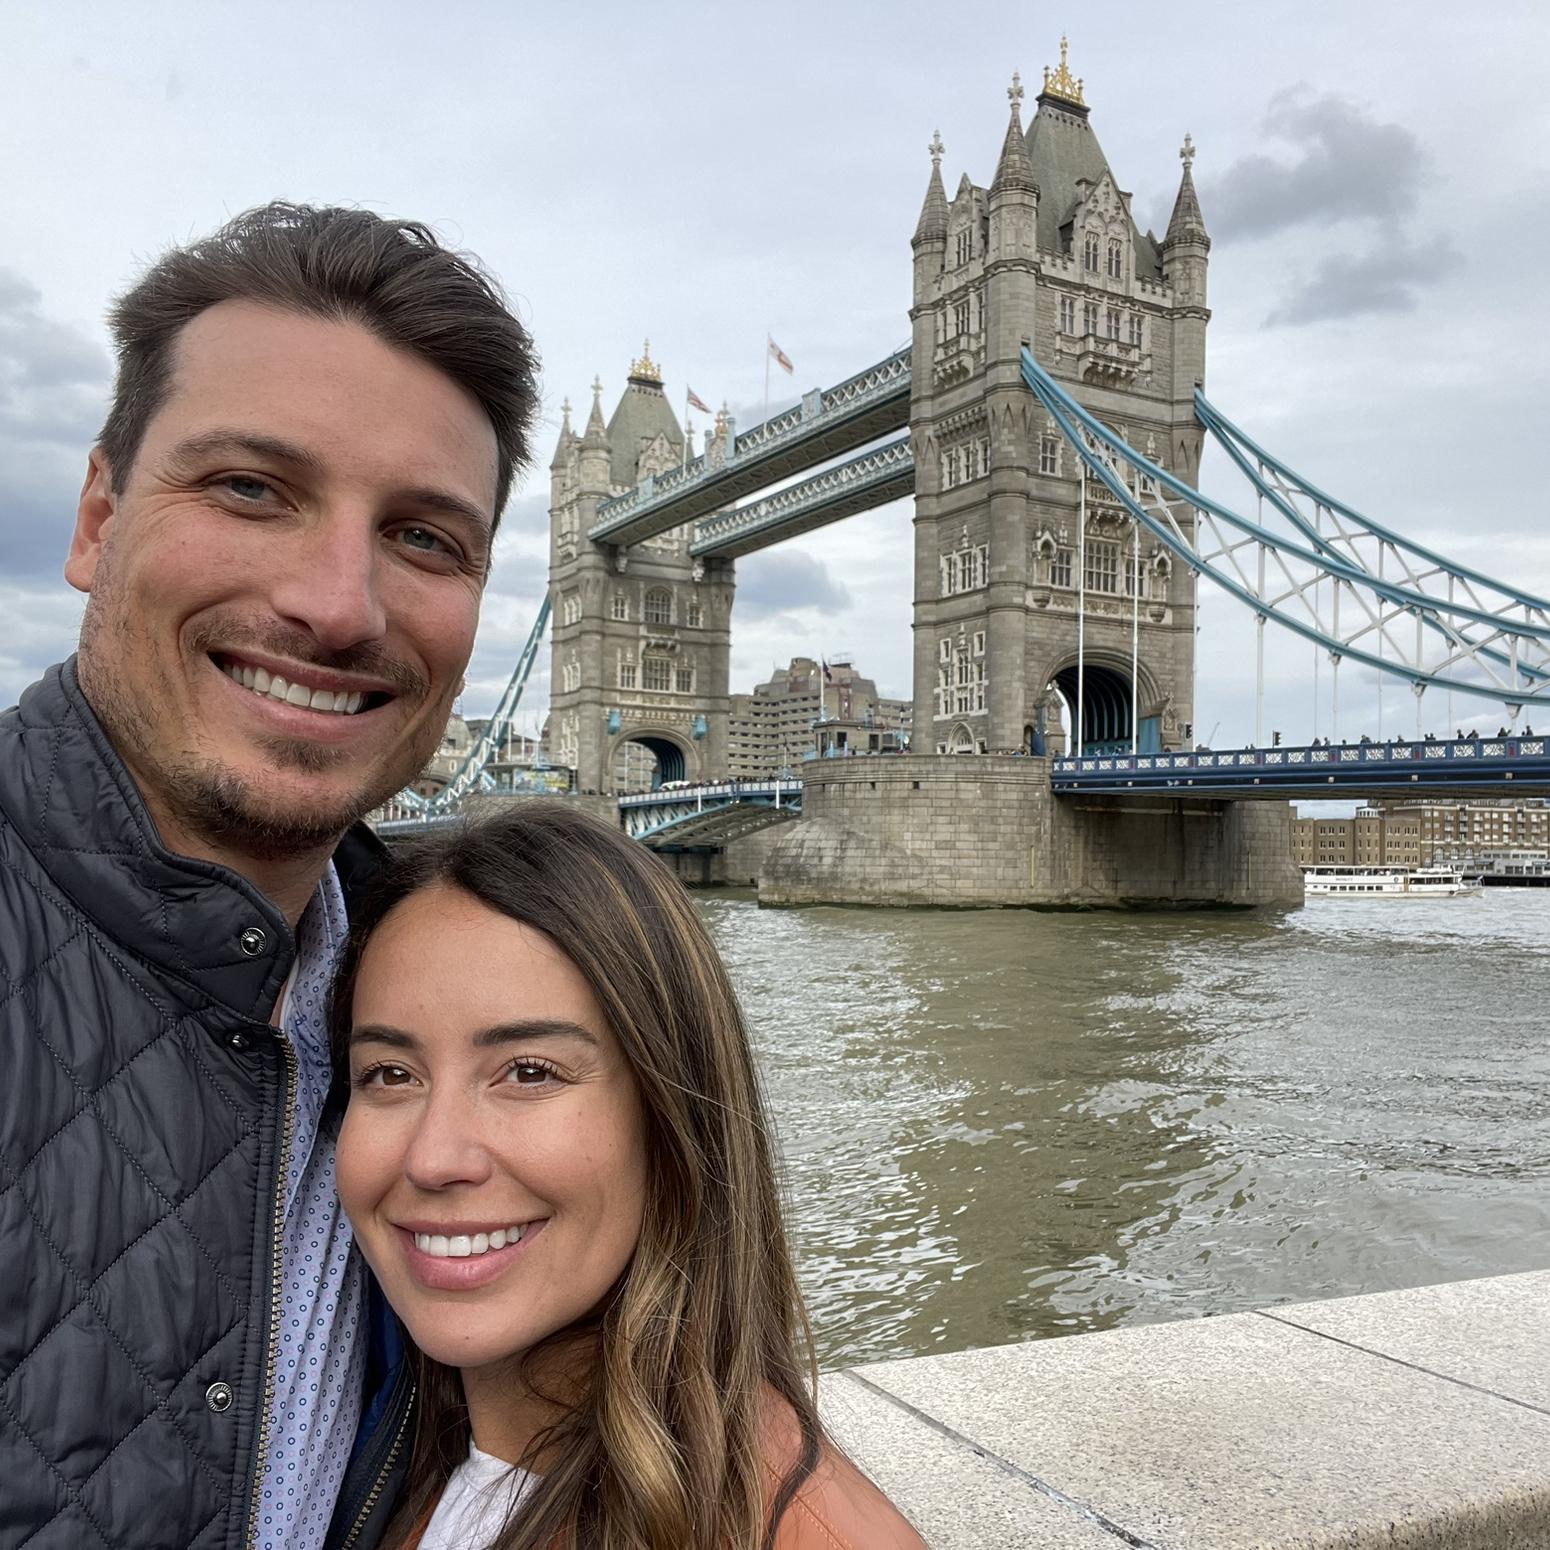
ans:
(142, 1094)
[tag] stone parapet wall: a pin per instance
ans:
(986, 831)
(1416, 1419)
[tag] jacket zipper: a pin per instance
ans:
(382, 1474)
(271, 1343)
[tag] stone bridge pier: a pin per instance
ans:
(988, 831)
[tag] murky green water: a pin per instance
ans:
(1002, 1125)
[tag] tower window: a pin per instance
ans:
(961, 314)
(1067, 315)
(659, 608)
(1102, 567)
(656, 674)
(1137, 330)
(627, 673)
(1116, 259)
(1089, 317)
(965, 248)
(684, 680)
(1049, 455)
(1060, 568)
(570, 609)
(1114, 322)
(619, 607)
(1090, 252)
(694, 615)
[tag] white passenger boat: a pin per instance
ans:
(1386, 882)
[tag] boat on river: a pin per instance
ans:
(1388, 882)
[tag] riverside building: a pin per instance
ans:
(1420, 833)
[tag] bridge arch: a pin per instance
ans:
(671, 758)
(1107, 702)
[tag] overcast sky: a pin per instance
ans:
(1374, 177)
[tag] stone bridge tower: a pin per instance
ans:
(641, 633)
(1049, 256)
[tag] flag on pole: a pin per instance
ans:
(780, 357)
(696, 402)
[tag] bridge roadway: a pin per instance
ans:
(710, 816)
(827, 423)
(1456, 767)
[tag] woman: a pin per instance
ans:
(556, 1160)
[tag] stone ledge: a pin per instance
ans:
(1416, 1419)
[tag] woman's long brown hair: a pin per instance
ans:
(667, 1447)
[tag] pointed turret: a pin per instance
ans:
(1187, 224)
(1013, 170)
(932, 225)
(1014, 193)
(562, 448)
(593, 462)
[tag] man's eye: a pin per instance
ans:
(246, 488)
(425, 540)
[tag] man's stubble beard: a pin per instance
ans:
(204, 797)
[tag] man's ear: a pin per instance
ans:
(93, 523)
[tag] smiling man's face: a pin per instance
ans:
(285, 587)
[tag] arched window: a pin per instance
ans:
(570, 609)
(659, 607)
(1090, 252)
(1116, 259)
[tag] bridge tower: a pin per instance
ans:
(641, 633)
(1014, 549)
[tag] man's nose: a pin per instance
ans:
(331, 583)
(447, 1147)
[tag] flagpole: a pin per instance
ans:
(766, 375)
(683, 460)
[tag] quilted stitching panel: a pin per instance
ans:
(135, 1295)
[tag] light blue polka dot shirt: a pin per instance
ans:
(320, 1355)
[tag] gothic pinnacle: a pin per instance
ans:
(1013, 169)
(932, 225)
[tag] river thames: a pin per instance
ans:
(1002, 1125)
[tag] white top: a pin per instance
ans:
(476, 1503)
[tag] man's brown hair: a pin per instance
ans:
(394, 278)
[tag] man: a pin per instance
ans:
(284, 534)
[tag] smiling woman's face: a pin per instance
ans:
(492, 1158)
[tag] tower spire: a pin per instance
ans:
(1187, 224)
(932, 224)
(597, 432)
(1013, 169)
(1061, 84)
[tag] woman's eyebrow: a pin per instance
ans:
(533, 1028)
(493, 1037)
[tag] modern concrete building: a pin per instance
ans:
(781, 722)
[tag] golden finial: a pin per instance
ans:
(645, 369)
(1061, 83)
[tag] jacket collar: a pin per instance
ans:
(72, 802)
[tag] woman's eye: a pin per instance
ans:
(528, 1073)
(383, 1076)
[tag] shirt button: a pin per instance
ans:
(218, 1397)
(253, 941)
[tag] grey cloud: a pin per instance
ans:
(53, 390)
(1384, 279)
(773, 582)
(1345, 165)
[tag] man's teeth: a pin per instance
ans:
(260, 681)
(464, 1246)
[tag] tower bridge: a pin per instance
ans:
(1052, 399)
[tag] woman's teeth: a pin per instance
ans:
(260, 681)
(463, 1246)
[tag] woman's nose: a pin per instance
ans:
(446, 1148)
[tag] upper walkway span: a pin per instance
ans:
(827, 423)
